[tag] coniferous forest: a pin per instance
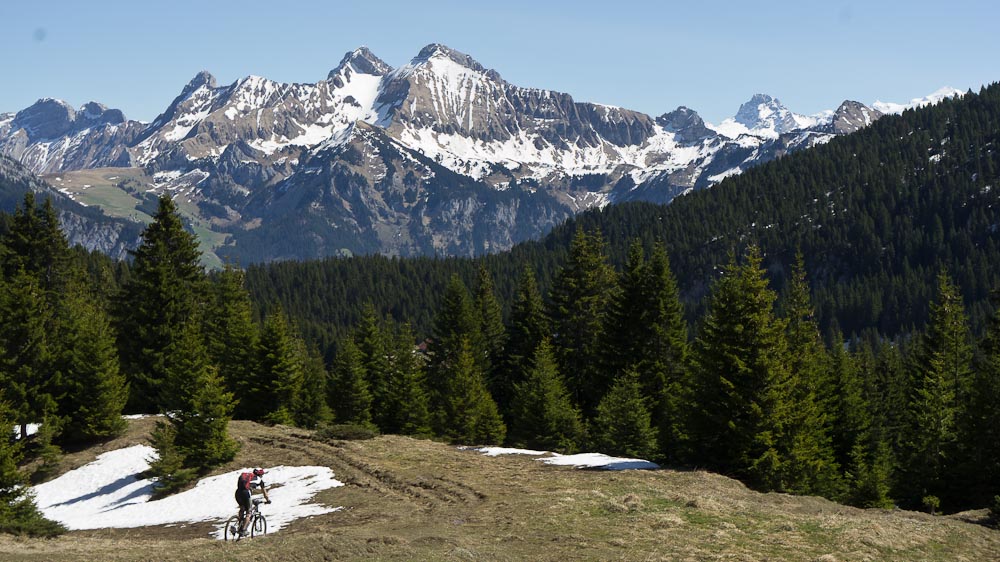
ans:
(822, 324)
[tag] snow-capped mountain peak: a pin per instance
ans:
(203, 78)
(359, 61)
(686, 125)
(765, 114)
(443, 58)
(930, 99)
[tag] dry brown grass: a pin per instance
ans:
(407, 499)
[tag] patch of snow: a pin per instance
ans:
(32, 429)
(108, 493)
(581, 460)
(497, 451)
(599, 460)
(930, 99)
(730, 128)
(719, 177)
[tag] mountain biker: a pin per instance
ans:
(249, 481)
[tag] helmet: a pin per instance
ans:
(258, 471)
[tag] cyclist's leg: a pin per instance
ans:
(243, 498)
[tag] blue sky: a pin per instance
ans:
(649, 56)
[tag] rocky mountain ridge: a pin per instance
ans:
(438, 156)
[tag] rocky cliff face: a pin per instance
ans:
(441, 155)
(50, 136)
(852, 116)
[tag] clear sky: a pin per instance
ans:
(709, 55)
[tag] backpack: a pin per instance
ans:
(243, 482)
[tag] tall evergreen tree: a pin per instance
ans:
(493, 331)
(372, 344)
(456, 326)
(979, 423)
(528, 327)
(859, 445)
(811, 466)
(281, 363)
(943, 368)
(647, 334)
(310, 408)
(37, 245)
(18, 512)
(741, 370)
(232, 337)
(406, 399)
(468, 413)
(848, 405)
(543, 417)
(165, 289)
(623, 425)
(95, 389)
(581, 295)
(627, 331)
(350, 396)
(199, 409)
(25, 350)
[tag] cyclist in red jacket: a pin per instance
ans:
(249, 481)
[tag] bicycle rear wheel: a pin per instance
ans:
(259, 527)
(232, 529)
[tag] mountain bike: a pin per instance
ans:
(256, 527)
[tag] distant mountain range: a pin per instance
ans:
(439, 156)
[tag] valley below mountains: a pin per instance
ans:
(438, 157)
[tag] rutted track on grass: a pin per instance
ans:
(352, 470)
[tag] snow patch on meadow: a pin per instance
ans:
(109, 493)
(581, 460)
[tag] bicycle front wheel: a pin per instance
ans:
(259, 526)
(232, 529)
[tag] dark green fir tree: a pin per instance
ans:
(95, 389)
(943, 363)
(372, 344)
(469, 414)
(528, 327)
(199, 408)
(543, 417)
(26, 359)
(350, 396)
(581, 296)
(232, 338)
(741, 371)
(18, 513)
(406, 398)
(281, 371)
(166, 287)
(623, 425)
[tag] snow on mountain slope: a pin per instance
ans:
(50, 136)
(930, 99)
(268, 116)
(765, 116)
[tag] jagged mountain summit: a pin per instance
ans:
(440, 155)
